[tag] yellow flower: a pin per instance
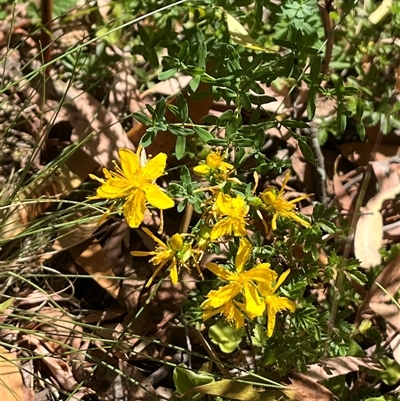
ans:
(134, 181)
(233, 212)
(274, 204)
(214, 165)
(175, 251)
(242, 282)
(275, 303)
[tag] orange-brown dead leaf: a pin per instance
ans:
(91, 257)
(11, 385)
(360, 153)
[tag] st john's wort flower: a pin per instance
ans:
(274, 203)
(134, 182)
(240, 283)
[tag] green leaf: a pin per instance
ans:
(142, 118)
(180, 147)
(245, 101)
(194, 83)
(185, 176)
(360, 127)
(311, 103)
(307, 152)
(167, 74)
(226, 336)
(391, 374)
(183, 108)
(160, 109)
(341, 120)
(185, 379)
(6, 304)
(202, 55)
(178, 130)
(315, 69)
(203, 134)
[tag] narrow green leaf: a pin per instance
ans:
(167, 74)
(182, 107)
(202, 55)
(311, 103)
(180, 147)
(202, 133)
(142, 118)
(306, 151)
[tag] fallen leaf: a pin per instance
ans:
(307, 389)
(389, 279)
(11, 385)
(369, 230)
(361, 153)
(390, 312)
(91, 257)
(338, 366)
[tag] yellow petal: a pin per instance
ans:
(176, 242)
(239, 227)
(155, 167)
(261, 274)
(113, 188)
(154, 238)
(157, 198)
(173, 272)
(201, 169)
(222, 228)
(130, 164)
(226, 167)
(220, 271)
(281, 279)
(285, 181)
(276, 304)
(271, 320)
(134, 208)
(233, 315)
(254, 304)
(223, 295)
(155, 274)
(224, 204)
(143, 253)
(273, 222)
(243, 254)
(300, 220)
(269, 197)
(209, 312)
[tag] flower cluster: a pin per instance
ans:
(249, 290)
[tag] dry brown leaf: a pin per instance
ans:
(133, 392)
(390, 312)
(307, 389)
(11, 385)
(91, 257)
(74, 236)
(369, 230)
(389, 279)
(361, 153)
(338, 366)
